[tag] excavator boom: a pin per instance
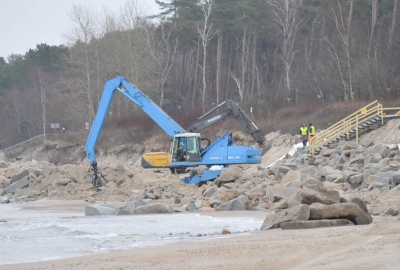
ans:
(137, 97)
(232, 109)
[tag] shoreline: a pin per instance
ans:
(360, 247)
(373, 246)
(148, 248)
(76, 208)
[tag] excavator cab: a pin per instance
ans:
(186, 147)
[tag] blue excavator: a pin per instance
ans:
(186, 148)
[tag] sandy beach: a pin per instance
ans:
(374, 246)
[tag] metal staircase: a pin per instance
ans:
(367, 118)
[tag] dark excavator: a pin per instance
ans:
(232, 109)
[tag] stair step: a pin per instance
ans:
(362, 127)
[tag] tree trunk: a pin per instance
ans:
(204, 91)
(374, 17)
(322, 35)
(88, 85)
(348, 50)
(219, 60)
(43, 100)
(392, 28)
(244, 69)
(194, 89)
(254, 67)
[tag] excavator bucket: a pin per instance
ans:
(208, 175)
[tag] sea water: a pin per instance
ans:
(36, 235)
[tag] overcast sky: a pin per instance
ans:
(26, 23)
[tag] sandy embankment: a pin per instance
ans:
(374, 246)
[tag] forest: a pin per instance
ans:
(263, 54)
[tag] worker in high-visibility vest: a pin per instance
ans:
(311, 133)
(303, 133)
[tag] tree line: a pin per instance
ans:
(194, 54)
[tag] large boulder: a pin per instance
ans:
(297, 213)
(18, 176)
(191, 206)
(350, 211)
(277, 193)
(229, 174)
(372, 158)
(61, 182)
(312, 224)
(131, 206)
(239, 203)
(292, 176)
(319, 195)
(156, 208)
(364, 216)
(210, 191)
(101, 210)
(256, 192)
(382, 149)
(24, 182)
(3, 180)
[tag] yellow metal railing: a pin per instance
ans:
(346, 125)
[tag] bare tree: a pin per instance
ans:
(344, 36)
(81, 34)
(288, 23)
(163, 53)
(239, 86)
(206, 34)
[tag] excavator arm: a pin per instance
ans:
(232, 109)
(137, 97)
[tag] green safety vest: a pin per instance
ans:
(311, 130)
(303, 131)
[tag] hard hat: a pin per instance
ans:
(304, 124)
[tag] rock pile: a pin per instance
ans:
(299, 190)
(307, 192)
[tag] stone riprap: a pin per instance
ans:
(300, 191)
